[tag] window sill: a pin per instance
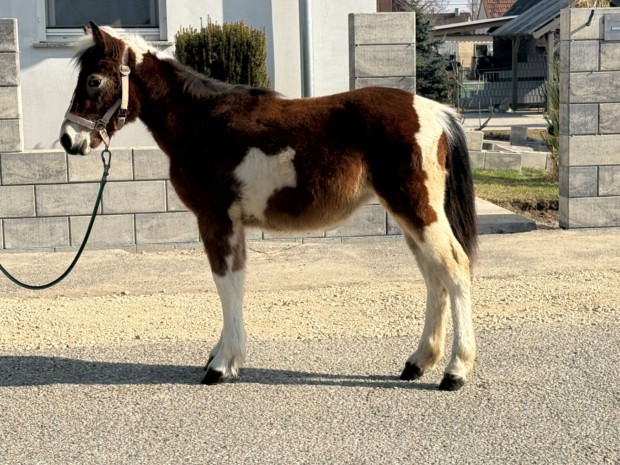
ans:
(71, 44)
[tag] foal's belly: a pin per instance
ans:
(278, 194)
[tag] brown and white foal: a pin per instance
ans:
(244, 157)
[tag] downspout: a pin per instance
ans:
(307, 61)
(516, 42)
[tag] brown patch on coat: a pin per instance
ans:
(442, 150)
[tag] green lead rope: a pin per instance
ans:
(104, 179)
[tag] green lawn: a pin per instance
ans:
(526, 186)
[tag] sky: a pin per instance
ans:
(452, 4)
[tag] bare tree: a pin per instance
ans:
(474, 7)
(427, 6)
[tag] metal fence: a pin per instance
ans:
(493, 88)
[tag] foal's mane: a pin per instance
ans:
(198, 85)
(194, 84)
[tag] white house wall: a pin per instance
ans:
(48, 77)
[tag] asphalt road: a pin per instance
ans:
(546, 387)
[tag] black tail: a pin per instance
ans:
(460, 200)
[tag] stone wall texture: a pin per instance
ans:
(47, 197)
(382, 50)
(589, 120)
(11, 133)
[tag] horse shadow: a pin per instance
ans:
(22, 371)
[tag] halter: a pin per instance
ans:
(101, 124)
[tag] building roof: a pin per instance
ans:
(540, 18)
(521, 6)
(497, 8)
(442, 19)
(470, 26)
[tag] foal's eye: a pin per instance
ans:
(94, 82)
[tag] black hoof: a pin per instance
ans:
(411, 372)
(213, 377)
(207, 365)
(451, 383)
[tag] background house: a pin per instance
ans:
(48, 28)
(494, 8)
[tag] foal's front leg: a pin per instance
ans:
(226, 251)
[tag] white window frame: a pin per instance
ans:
(67, 35)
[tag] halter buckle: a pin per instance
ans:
(100, 125)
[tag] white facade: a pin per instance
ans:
(48, 77)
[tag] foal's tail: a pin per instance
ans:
(460, 200)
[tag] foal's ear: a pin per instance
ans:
(100, 37)
(86, 29)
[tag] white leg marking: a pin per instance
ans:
(229, 353)
(451, 265)
(261, 175)
(431, 345)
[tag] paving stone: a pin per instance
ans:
(90, 167)
(578, 181)
(609, 180)
(108, 230)
(591, 212)
(33, 167)
(8, 35)
(16, 201)
(369, 220)
(161, 228)
(36, 233)
(134, 197)
(10, 102)
(11, 137)
(66, 199)
(173, 201)
(150, 163)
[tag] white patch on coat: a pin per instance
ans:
(261, 176)
(432, 118)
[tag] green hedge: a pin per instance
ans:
(235, 52)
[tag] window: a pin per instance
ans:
(117, 13)
(66, 17)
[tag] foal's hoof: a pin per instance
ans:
(212, 377)
(411, 372)
(207, 365)
(451, 383)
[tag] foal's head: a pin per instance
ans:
(98, 91)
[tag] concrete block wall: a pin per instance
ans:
(382, 50)
(589, 120)
(47, 197)
(11, 131)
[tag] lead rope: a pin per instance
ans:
(104, 179)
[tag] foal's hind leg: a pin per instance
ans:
(442, 253)
(430, 347)
(225, 246)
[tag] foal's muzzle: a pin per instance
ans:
(74, 139)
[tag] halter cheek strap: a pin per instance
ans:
(121, 104)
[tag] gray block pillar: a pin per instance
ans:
(589, 119)
(382, 50)
(11, 132)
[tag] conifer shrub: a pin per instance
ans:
(234, 52)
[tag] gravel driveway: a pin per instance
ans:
(104, 368)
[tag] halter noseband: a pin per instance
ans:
(101, 124)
